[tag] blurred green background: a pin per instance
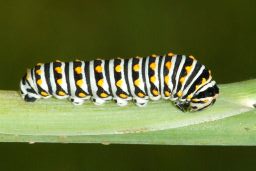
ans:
(220, 34)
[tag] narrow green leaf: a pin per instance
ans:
(159, 122)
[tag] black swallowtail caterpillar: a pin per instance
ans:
(180, 78)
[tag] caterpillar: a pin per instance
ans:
(179, 78)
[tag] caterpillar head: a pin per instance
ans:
(202, 98)
(27, 88)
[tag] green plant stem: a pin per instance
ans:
(231, 121)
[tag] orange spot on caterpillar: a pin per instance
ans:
(118, 68)
(141, 94)
(153, 65)
(203, 80)
(124, 96)
(39, 82)
(98, 69)
(179, 94)
(155, 92)
(137, 82)
(100, 82)
(166, 79)
(59, 81)
(44, 93)
(78, 70)
(189, 96)
(188, 69)
(168, 65)
(61, 93)
(39, 72)
(136, 67)
(119, 83)
(81, 95)
(58, 70)
(182, 79)
(167, 93)
(103, 95)
(152, 79)
(79, 83)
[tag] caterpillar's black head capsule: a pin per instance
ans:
(200, 99)
(204, 97)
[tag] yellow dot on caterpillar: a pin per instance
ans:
(192, 57)
(136, 67)
(118, 68)
(141, 94)
(119, 83)
(103, 95)
(167, 93)
(59, 81)
(168, 64)
(137, 82)
(188, 69)
(182, 79)
(100, 82)
(190, 96)
(179, 94)
(58, 70)
(81, 95)
(203, 80)
(166, 79)
(78, 70)
(170, 54)
(39, 72)
(44, 93)
(155, 92)
(124, 96)
(61, 93)
(39, 82)
(197, 87)
(153, 65)
(154, 55)
(98, 69)
(79, 83)
(57, 60)
(77, 60)
(195, 100)
(152, 79)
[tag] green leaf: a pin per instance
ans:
(231, 121)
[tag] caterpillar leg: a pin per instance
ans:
(121, 102)
(76, 101)
(30, 98)
(141, 102)
(98, 101)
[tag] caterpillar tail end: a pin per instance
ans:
(27, 92)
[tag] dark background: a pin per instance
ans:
(220, 34)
